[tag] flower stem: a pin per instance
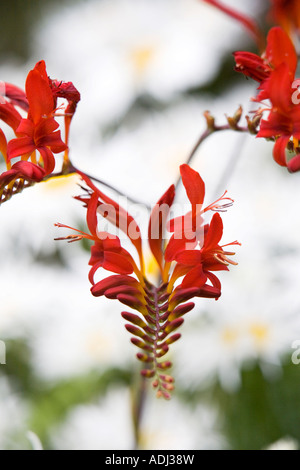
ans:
(209, 131)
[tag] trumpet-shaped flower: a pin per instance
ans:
(38, 132)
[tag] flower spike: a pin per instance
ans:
(159, 308)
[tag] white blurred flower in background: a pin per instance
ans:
(12, 416)
(105, 424)
(117, 50)
(169, 425)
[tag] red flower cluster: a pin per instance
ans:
(275, 72)
(38, 132)
(187, 263)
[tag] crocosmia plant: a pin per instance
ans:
(159, 267)
(187, 262)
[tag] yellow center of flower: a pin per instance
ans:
(229, 335)
(259, 332)
(141, 57)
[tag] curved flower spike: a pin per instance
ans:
(159, 308)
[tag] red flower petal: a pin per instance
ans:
(26, 127)
(279, 150)
(280, 49)
(45, 127)
(194, 185)
(10, 115)
(157, 224)
(53, 141)
(214, 233)
(20, 146)
(175, 246)
(48, 159)
(119, 216)
(116, 263)
(39, 95)
(3, 144)
(16, 96)
(194, 278)
(189, 257)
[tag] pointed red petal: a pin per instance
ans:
(279, 88)
(26, 127)
(16, 96)
(279, 150)
(119, 216)
(194, 278)
(10, 115)
(214, 280)
(214, 233)
(20, 146)
(48, 159)
(189, 257)
(3, 144)
(280, 49)
(116, 263)
(45, 127)
(194, 185)
(39, 95)
(157, 224)
(176, 246)
(53, 141)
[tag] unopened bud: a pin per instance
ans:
(210, 120)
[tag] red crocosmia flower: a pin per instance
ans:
(67, 91)
(283, 122)
(160, 307)
(286, 13)
(98, 203)
(279, 50)
(188, 229)
(38, 131)
(211, 257)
